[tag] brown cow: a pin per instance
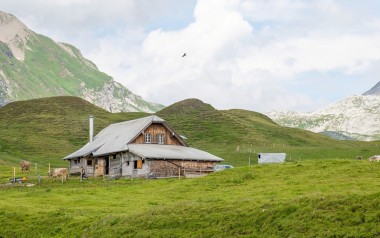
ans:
(25, 166)
(59, 172)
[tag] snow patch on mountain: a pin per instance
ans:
(356, 116)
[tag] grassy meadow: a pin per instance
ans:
(321, 191)
(332, 198)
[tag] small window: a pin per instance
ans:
(148, 138)
(89, 162)
(160, 139)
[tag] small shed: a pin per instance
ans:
(267, 158)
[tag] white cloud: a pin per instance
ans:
(227, 68)
(240, 53)
(272, 10)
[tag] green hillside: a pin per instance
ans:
(48, 68)
(48, 129)
(204, 124)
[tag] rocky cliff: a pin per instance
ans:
(356, 117)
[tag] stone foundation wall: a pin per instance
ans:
(174, 168)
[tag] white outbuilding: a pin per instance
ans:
(267, 158)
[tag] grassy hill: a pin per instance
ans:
(45, 130)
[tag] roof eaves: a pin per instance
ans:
(108, 153)
(138, 154)
(137, 135)
(175, 133)
(82, 155)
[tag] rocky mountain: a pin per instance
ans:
(356, 117)
(34, 66)
(375, 90)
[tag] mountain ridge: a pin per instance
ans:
(35, 66)
(354, 117)
(375, 90)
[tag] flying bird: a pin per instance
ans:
(184, 55)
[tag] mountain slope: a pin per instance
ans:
(203, 123)
(34, 66)
(375, 90)
(49, 128)
(356, 117)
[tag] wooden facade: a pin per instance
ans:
(155, 130)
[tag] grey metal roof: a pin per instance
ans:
(115, 137)
(156, 151)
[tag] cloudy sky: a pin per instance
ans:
(253, 54)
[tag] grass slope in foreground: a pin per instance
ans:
(329, 198)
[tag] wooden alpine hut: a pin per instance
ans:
(145, 147)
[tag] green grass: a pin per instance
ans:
(329, 198)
